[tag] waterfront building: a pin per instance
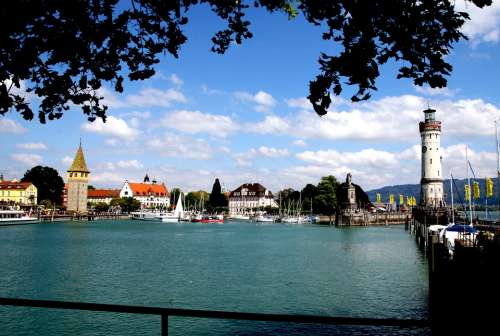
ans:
(249, 197)
(19, 193)
(150, 193)
(431, 182)
(102, 195)
(78, 180)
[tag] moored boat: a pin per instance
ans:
(10, 216)
(212, 219)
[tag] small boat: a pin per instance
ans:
(212, 219)
(264, 219)
(145, 215)
(452, 232)
(11, 216)
(239, 217)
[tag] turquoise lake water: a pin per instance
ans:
(237, 266)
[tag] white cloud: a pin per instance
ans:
(428, 91)
(301, 103)
(10, 126)
(263, 100)
(148, 97)
(373, 168)
(32, 145)
(172, 145)
(271, 124)
(67, 160)
(300, 143)
(366, 157)
(176, 80)
(484, 25)
(272, 152)
(245, 159)
(137, 114)
(483, 163)
(130, 164)
(113, 126)
(209, 91)
(388, 118)
(109, 179)
(27, 159)
(155, 97)
(197, 122)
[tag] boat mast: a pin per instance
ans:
(451, 191)
(468, 183)
(498, 162)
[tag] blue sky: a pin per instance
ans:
(243, 116)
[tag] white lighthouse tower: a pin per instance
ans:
(431, 183)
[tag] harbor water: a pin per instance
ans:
(236, 266)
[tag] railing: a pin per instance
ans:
(164, 313)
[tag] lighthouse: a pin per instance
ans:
(431, 182)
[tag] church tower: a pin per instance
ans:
(431, 182)
(78, 180)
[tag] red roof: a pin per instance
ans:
(103, 193)
(147, 189)
(6, 185)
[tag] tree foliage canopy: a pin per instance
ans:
(48, 183)
(126, 204)
(64, 51)
(217, 198)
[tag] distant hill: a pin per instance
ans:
(414, 190)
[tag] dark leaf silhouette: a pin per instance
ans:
(64, 51)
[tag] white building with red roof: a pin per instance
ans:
(248, 197)
(102, 195)
(150, 194)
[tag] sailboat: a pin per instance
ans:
(176, 215)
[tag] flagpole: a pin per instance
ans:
(486, 197)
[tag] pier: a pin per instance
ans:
(366, 218)
(463, 285)
(79, 217)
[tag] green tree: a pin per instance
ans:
(174, 196)
(48, 183)
(64, 51)
(47, 204)
(217, 198)
(196, 198)
(90, 187)
(326, 200)
(101, 207)
(126, 204)
(309, 194)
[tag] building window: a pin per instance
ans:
(431, 161)
(438, 172)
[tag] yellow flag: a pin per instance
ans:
(477, 192)
(467, 192)
(401, 200)
(379, 198)
(408, 201)
(391, 199)
(489, 187)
